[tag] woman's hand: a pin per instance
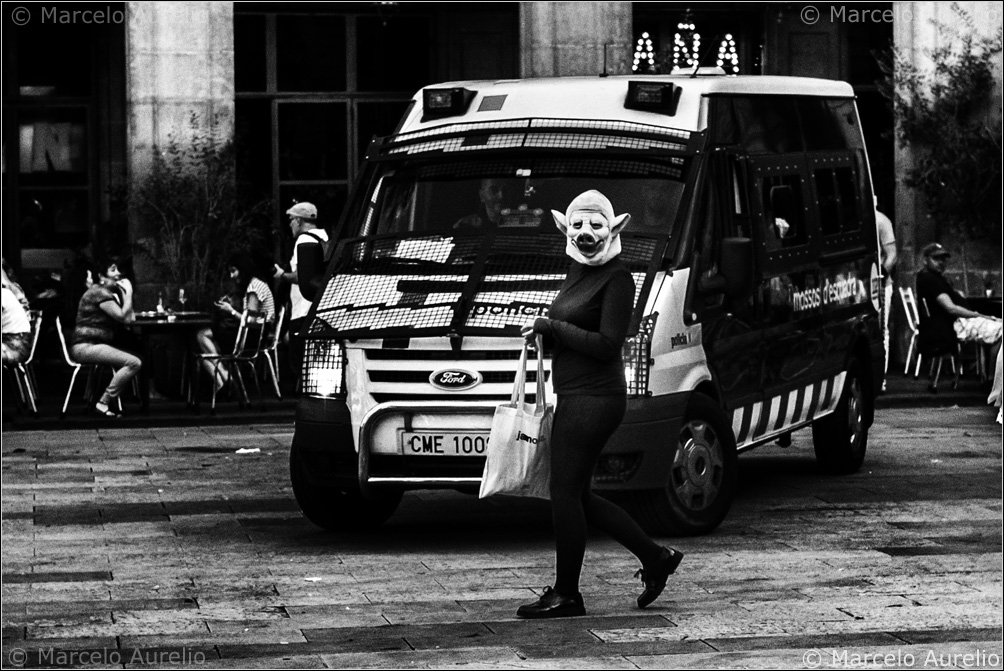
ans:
(224, 305)
(528, 333)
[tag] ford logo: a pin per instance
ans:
(454, 380)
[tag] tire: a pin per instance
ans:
(338, 508)
(841, 438)
(702, 479)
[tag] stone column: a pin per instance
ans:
(562, 39)
(179, 63)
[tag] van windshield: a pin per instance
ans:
(478, 196)
(472, 247)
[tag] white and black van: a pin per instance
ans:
(752, 245)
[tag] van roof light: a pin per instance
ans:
(439, 103)
(653, 97)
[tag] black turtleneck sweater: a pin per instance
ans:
(586, 327)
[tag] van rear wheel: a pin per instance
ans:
(841, 438)
(338, 508)
(702, 478)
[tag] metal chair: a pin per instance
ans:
(23, 372)
(93, 370)
(938, 353)
(270, 351)
(913, 322)
(77, 367)
(247, 347)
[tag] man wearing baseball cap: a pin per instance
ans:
(949, 320)
(308, 252)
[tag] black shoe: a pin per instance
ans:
(655, 578)
(552, 604)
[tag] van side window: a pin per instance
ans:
(784, 213)
(825, 123)
(838, 191)
(760, 124)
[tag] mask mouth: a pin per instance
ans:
(588, 245)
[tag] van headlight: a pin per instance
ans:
(323, 372)
(638, 357)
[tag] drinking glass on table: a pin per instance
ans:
(182, 298)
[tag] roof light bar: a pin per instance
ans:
(441, 103)
(653, 97)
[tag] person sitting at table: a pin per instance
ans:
(949, 316)
(106, 304)
(250, 293)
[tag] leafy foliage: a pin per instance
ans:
(943, 114)
(191, 194)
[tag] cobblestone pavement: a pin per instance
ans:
(164, 548)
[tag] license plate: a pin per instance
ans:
(443, 444)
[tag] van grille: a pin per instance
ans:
(420, 376)
(404, 375)
(441, 355)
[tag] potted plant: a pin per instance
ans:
(191, 201)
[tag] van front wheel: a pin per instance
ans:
(338, 508)
(840, 438)
(702, 478)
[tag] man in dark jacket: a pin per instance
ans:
(949, 320)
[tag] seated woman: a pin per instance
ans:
(250, 293)
(106, 304)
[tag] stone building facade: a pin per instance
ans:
(303, 87)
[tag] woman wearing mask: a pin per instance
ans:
(586, 327)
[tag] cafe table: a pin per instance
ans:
(183, 325)
(985, 305)
(991, 307)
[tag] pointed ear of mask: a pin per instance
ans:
(559, 220)
(618, 224)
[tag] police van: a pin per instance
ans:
(752, 247)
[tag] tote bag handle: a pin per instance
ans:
(518, 396)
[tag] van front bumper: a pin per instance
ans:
(638, 455)
(322, 437)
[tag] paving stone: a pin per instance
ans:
(564, 650)
(797, 558)
(126, 626)
(287, 662)
(802, 641)
(13, 632)
(486, 657)
(376, 639)
(170, 657)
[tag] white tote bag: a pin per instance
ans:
(519, 454)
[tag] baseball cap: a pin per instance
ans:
(935, 250)
(303, 210)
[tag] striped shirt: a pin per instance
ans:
(264, 294)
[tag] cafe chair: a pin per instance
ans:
(93, 371)
(247, 347)
(937, 351)
(270, 351)
(23, 372)
(913, 323)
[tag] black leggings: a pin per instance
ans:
(582, 426)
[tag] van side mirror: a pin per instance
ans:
(737, 267)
